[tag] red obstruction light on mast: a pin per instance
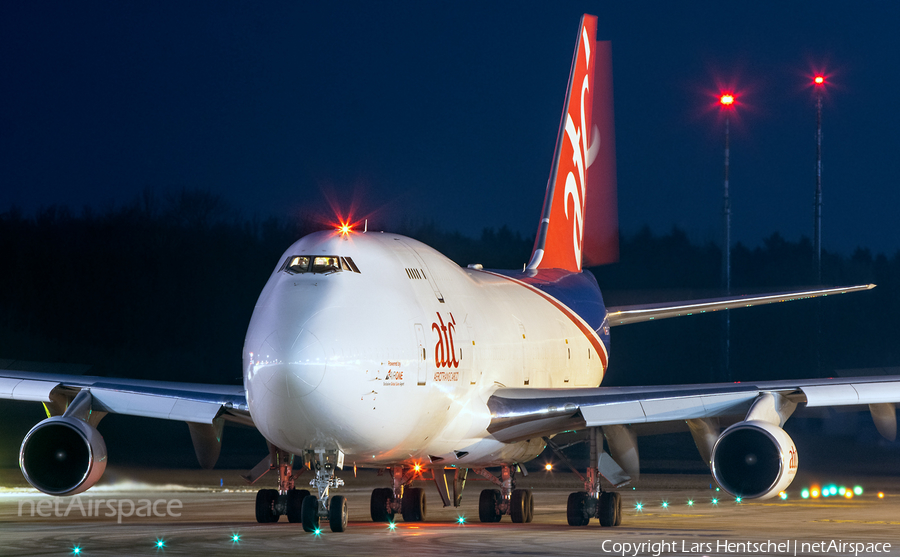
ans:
(819, 80)
(726, 99)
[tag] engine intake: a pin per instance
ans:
(63, 455)
(754, 460)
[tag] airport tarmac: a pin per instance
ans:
(200, 512)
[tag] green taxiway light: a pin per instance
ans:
(715, 501)
(76, 550)
(690, 503)
(858, 490)
(805, 493)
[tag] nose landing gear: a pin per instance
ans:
(322, 505)
(298, 504)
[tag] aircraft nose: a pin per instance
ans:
(290, 364)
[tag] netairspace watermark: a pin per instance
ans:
(731, 547)
(90, 507)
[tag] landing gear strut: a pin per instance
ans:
(593, 501)
(323, 505)
(494, 503)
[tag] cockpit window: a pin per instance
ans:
(321, 264)
(326, 264)
(298, 264)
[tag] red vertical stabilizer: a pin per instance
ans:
(585, 142)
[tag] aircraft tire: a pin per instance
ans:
(521, 506)
(412, 505)
(265, 506)
(294, 510)
(575, 509)
(487, 505)
(338, 513)
(378, 505)
(606, 509)
(618, 504)
(310, 513)
(529, 506)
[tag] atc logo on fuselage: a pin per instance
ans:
(444, 351)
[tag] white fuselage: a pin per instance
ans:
(395, 363)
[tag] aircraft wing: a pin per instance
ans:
(189, 402)
(625, 315)
(518, 414)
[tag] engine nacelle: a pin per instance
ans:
(754, 460)
(62, 456)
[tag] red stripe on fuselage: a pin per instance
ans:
(589, 333)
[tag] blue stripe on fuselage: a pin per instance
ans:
(577, 291)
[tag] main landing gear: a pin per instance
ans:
(593, 502)
(494, 503)
(286, 500)
(408, 501)
(299, 504)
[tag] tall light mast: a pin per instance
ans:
(726, 100)
(819, 81)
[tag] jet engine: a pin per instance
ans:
(63, 455)
(754, 460)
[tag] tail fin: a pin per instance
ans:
(585, 141)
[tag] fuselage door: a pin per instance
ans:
(421, 355)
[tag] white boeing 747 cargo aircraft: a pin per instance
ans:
(357, 329)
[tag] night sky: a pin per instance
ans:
(449, 111)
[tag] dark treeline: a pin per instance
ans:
(164, 287)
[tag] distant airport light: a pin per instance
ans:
(858, 490)
(76, 550)
(833, 490)
(819, 80)
(690, 503)
(848, 494)
(392, 526)
(814, 493)
(317, 531)
(548, 467)
(727, 99)
(804, 494)
(738, 499)
(842, 490)
(881, 495)
(715, 501)
(783, 495)
(665, 504)
(461, 520)
(639, 507)
(160, 543)
(417, 467)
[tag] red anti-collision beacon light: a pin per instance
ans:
(819, 80)
(727, 99)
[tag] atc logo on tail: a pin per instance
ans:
(585, 140)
